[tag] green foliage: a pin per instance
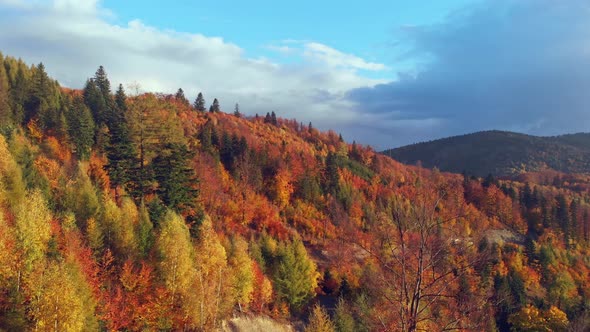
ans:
(176, 179)
(296, 277)
(199, 104)
(214, 108)
(81, 128)
(343, 318)
(120, 151)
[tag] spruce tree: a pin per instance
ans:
(176, 179)
(5, 106)
(81, 128)
(215, 106)
(120, 152)
(237, 111)
(180, 97)
(200, 103)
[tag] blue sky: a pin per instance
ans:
(366, 29)
(383, 73)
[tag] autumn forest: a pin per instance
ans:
(129, 211)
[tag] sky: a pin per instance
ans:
(382, 73)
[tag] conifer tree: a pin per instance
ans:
(176, 179)
(81, 127)
(120, 151)
(200, 103)
(215, 106)
(180, 97)
(19, 95)
(5, 107)
(237, 111)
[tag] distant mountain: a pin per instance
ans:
(500, 153)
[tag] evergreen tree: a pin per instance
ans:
(81, 127)
(237, 111)
(562, 214)
(39, 94)
(93, 98)
(120, 152)
(102, 82)
(6, 116)
(215, 106)
(273, 118)
(332, 178)
(176, 179)
(180, 97)
(267, 118)
(573, 226)
(19, 95)
(200, 103)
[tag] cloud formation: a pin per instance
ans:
(73, 38)
(521, 65)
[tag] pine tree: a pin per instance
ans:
(273, 118)
(180, 97)
(215, 106)
(200, 103)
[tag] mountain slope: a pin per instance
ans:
(500, 153)
(144, 213)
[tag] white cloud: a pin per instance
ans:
(335, 58)
(72, 38)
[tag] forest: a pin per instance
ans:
(130, 211)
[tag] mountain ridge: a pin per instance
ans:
(501, 153)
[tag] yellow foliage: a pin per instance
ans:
(33, 229)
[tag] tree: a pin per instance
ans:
(177, 266)
(176, 179)
(81, 127)
(417, 264)
(120, 152)
(215, 106)
(296, 277)
(319, 321)
(180, 97)
(200, 103)
(103, 83)
(6, 115)
(242, 271)
(531, 319)
(237, 111)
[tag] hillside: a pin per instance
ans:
(500, 153)
(147, 212)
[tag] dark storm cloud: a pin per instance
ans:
(520, 65)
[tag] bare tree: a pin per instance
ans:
(424, 265)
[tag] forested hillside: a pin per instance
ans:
(123, 211)
(500, 153)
